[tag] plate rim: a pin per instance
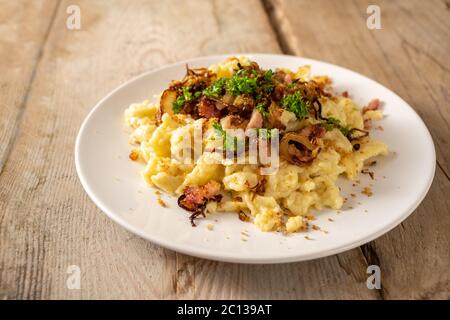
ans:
(224, 257)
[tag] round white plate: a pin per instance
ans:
(114, 184)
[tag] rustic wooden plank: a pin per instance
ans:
(24, 28)
(410, 55)
(47, 223)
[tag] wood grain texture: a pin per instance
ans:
(21, 41)
(47, 222)
(410, 55)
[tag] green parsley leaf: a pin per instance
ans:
(240, 83)
(229, 142)
(215, 89)
(179, 102)
(332, 123)
(268, 75)
(295, 103)
(264, 133)
(261, 107)
(345, 131)
(218, 127)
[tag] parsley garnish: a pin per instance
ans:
(215, 89)
(261, 107)
(219, 130)
(179, 102)
(345, 131)
(265, 133)
(295, 103)
(335, 123)
(229, 142)
(268, 75)
(240, 83)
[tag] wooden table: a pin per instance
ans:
(51, 76)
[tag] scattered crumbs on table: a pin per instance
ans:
(315, 227)
(210, 226)
(366, 210)
(339, 212)
(350, 208)
(308, 238)
(359, 203)
(243, 238)
(379, 128)
(324, 231)
(353, 195)
(384, 177)
(331, 219)
(367, 191)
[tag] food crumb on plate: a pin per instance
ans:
(161, 202)
(367, 191)
(210, 226)
(134, 155)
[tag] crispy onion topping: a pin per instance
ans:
(301, 147)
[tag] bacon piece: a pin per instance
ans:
(288, 78)
(256, 120)
(373, 105)
(195, 198)
(207, 109)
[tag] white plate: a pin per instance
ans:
(114, 184)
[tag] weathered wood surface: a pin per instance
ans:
(47, 222)
(410, 55)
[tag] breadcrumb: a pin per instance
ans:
(367, 191)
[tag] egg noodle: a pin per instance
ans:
(267, 145)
